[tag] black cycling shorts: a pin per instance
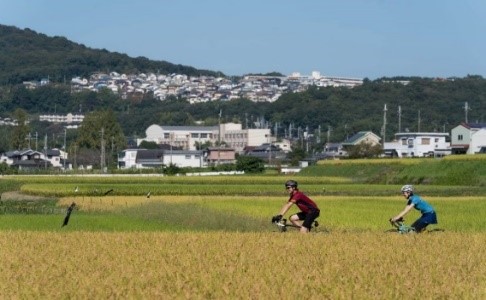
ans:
(308, 217)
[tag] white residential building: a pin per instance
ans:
(69, 118)
(419, 144)
(468, 138)
(153, 158)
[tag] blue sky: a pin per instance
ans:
(373, 39)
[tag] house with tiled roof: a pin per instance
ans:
(25, 159)
(362, 137)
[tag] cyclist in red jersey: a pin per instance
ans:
(308, 208)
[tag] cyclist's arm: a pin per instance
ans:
(403, 212)
(286, 207)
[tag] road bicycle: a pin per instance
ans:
(283, 226)
(400, 227)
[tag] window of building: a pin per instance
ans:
(166, 135)
(188, 157)
(460, 137)
(204, 135)
(194, 135)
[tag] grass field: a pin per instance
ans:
(211, 238)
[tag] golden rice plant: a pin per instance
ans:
(222, 265)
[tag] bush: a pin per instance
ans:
(250, 164)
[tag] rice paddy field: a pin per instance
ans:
(151, 237)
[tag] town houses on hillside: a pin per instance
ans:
(196, 89)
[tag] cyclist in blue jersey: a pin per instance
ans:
(308, 208)
(414, 201)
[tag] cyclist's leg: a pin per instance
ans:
(424, 221)
(309, 219)
(420, 225)
(297, 219)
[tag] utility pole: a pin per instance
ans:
(328, 134)
(399, 118)
(64, 149)
(75, 157)
(45, 151)
(219, 135)
(306, 135)
(418, 128)
(28, 138)
(384, 126)
(102, 162)
(466, 109)
(269, 148)
(171, 136)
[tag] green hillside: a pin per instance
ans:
(27, 55)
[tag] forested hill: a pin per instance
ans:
(28, 55)
(426, 104)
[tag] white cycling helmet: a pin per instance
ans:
(407, 188)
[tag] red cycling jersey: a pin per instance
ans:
(304, 203)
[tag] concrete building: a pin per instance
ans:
(184, 137)
(231, 135)
(418, 144)
(237, 138)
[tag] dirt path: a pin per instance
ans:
(19, 196)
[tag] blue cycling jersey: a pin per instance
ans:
(420, 204)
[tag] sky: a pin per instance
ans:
(348, 38)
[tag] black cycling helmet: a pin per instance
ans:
(291, 183)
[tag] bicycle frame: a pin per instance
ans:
(282, 225)
(401, 227)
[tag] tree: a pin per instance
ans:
(201, 145)
(101, 128)
(5, 141)
(249, 164)
(365, 150)
(100, 123)
(297, 154)
(21, 130)
(148, 145)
